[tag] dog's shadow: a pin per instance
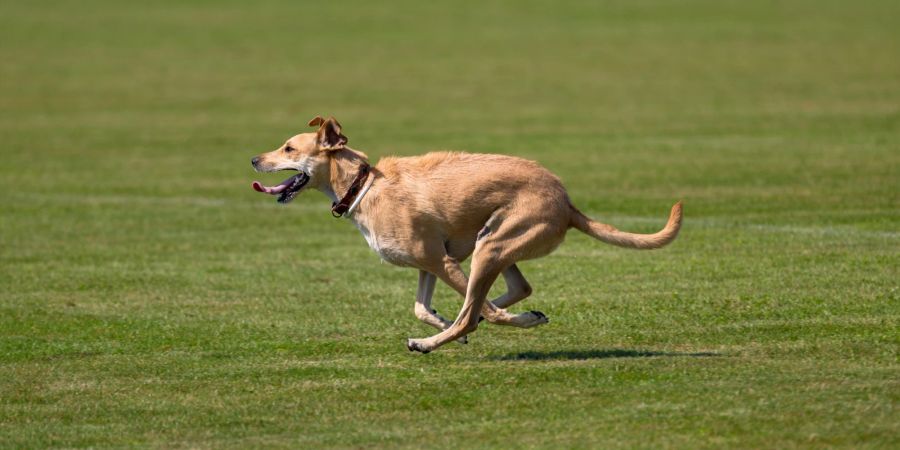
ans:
(597, 354)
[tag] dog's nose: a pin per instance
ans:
(254, 161)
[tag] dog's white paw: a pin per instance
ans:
(416, 345)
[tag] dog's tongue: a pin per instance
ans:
(273, 190)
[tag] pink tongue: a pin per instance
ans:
(258, 187)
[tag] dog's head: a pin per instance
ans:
(307, 153)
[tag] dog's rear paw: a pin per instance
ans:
(415, 346)
(539, 319)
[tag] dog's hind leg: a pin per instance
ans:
(517, 288)
(498, 315)
(423, 309)
(483, 275)
(494, 252)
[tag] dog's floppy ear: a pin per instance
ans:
(329, 136)
(316, 121)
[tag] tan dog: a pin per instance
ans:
(433, 211)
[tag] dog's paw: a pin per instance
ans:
(414, 345)
(539, 318)
(463, 340)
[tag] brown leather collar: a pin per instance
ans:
(338, 209)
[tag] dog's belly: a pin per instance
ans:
(386, 247)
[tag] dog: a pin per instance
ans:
(433, 211)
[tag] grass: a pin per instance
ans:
(149, 298)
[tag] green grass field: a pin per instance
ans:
(150, 298)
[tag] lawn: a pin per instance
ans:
(150, 298)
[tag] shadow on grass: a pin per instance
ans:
(597, 354)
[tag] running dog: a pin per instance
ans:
(430, 212)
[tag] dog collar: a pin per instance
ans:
(344, 207)
(359, 198)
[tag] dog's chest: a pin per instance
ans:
(386, 247)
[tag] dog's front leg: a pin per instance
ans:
(423, 309)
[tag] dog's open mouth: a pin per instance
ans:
(286, 190)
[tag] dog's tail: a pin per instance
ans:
(610, 235)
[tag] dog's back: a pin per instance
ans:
(460, 187)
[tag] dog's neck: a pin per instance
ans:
(345, 164)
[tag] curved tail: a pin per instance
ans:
(610, 235)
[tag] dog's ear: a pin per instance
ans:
(316, 121)
(329, 136)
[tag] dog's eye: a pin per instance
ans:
(288, 149)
